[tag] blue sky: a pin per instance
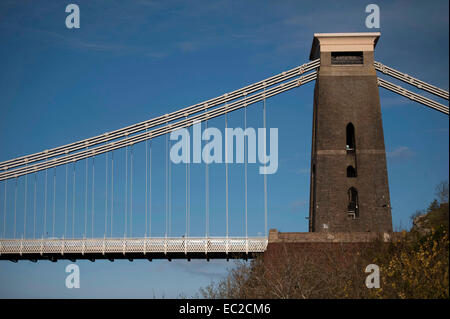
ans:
(131, 61)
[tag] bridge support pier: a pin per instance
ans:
(321, 246)
(349, 181)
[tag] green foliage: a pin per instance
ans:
(413, 265)
(415, 268)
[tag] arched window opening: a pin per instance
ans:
(350, 137)
(353, 209)
(351, 171)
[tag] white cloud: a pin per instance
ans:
(302, 171)
(297, 205)
(400, 152)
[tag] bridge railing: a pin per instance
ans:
(133, 245)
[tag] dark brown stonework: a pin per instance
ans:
(348, 94)
(276, 237)
(323, 248)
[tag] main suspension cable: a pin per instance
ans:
(109, 136)
(162, 130)
(411, 80)
(413, 96)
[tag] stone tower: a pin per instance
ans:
(349, 181)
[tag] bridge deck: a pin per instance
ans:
(131, 248)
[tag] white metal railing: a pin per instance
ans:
(134, 245)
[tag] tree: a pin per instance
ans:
(442, 192)
(413, 264)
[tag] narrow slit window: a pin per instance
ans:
(347, 58)
(353, 207)
(350, 137)
(351, 171)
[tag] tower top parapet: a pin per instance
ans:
(343, 42)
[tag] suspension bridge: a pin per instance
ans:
(45, 201)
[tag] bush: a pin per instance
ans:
(414, 265)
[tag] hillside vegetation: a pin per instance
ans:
(414, 265)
